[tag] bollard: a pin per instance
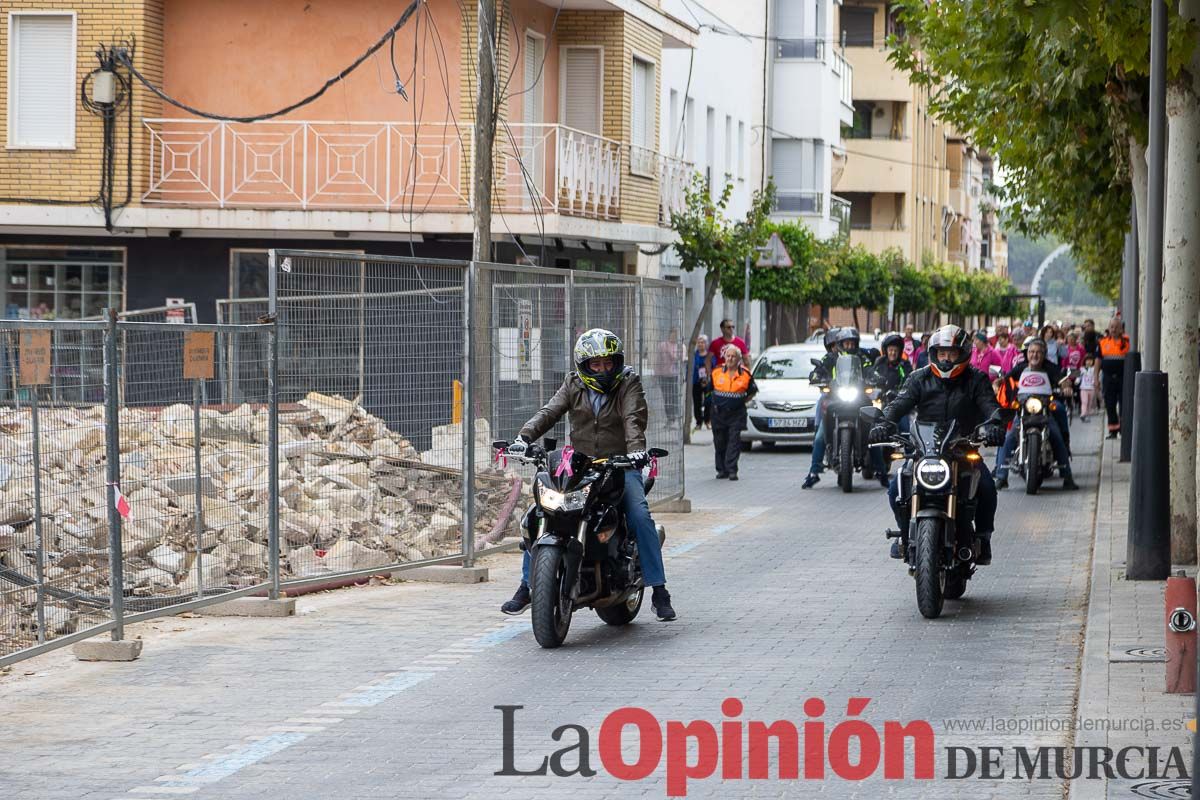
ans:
(1181, 635)
(1148, 553)
(1133, 365)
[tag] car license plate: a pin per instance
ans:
(788, 422)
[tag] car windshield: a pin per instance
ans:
(783, 366)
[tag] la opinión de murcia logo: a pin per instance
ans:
(852, 750)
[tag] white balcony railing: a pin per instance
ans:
(308, 165)
(845, 71)
(674, 174)
(553, 169)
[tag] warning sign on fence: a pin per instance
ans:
(35, 358)
(199, 353)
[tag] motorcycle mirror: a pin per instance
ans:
(550, 444)
(816, 362)
(870, 413)
(657, 452)
(499, 444)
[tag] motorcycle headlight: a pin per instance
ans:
(877, 402)
(1033, 405)
(933, 473)
(554, 500)
(847, 394)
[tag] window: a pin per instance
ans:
(533, 101)
(60, 282)
(741, 151)
(689, 130)
(710, 145)
(864, 111)
(641, 132)
(799, 31)
(41, 81)
(858, 26)
(728, 145)
(673, 121)
(580, 90)
(797, 166)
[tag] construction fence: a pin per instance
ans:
(151, 465)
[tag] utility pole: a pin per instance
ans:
(485, 130)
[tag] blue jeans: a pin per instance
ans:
(638, 519)
(818, 446)
(985, 504)
(1056, 444)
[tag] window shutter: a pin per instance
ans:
(787, 164)
(43, 81)
(581, 100)
(534, 95)
(642, 98)
(789, 19)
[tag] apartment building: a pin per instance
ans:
(580, 178)
(713, 107)
(993, 241)
(810, 82)
(896, 176)
(964, 243)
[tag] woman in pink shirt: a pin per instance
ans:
(983, 356)
(1005, 350)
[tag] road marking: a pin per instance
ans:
(226, 765)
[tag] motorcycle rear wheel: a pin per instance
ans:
(623, 613)
(551, 602)
(1033, 464)
(846, 461)
(930, 577)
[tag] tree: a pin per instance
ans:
(709, 241)
(791, 286)
(912, 287)
(856, 278)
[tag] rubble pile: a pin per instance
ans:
(354, 495)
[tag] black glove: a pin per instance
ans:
(993, 435)
(881, 432)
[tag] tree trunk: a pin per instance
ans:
(1139, 176)
(710, 291)
(854, 316)
(1181, 296)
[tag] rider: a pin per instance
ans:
(606, 406)
(949, 389)
(838, 341)
(891, 370)
(1036, 376)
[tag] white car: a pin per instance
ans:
(784, 410)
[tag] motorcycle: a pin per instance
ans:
(1034, 458)
(583, 555)
(939, 479)
(845, 433)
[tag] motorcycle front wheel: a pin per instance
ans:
(622, 613)
(930, 577)
(1033, 464)
(551, 598)
(846, 460)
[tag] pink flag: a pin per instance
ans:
(121, 503)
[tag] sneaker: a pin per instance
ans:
(1069, 484)
(733, 476)
(519, 602)
(1111, 435)
(985, 552)
(895, 551)
(660, 601)
(810, 481)
(1001, 483)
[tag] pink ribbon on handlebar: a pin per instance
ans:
(564, 464)
(653, 467)
(500, 458)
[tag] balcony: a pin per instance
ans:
(839, 212)
(845, 73)
(879, 239)
(386, 166)
(674, 174)
(877, 165)
(806, 49)
(874, 76)
(799, 201)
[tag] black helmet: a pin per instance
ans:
(830, 339)
(847, 335)
(892, 339)
(597, 343)
(949, 337)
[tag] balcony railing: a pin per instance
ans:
(799, 202)
(839, 212)
(674, 175)
(845, 71)
(378, 166)
(811, 49)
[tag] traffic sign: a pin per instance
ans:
(774, 254)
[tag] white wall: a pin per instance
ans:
(726, 76)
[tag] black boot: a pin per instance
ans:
(519, 602)
(660, 601)
(985, 552)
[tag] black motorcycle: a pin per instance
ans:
(583, 555)
(1034, 458)
(939, 479)
(846, 391)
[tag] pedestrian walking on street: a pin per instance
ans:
(732, 386)
(1087, 388)
(717, 348)
(667, 364)
(701, 389)
(1113, 349)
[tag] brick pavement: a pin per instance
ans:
(783, 595)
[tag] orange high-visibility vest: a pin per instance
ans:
(727, 383)
(1114, 348)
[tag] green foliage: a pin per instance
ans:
(708, 239)
(793, 285)
(1054, 89)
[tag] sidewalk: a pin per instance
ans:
(1121, 699)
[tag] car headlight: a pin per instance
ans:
(933, 473)
(1033, 405)
(554, 500)
(847, 394)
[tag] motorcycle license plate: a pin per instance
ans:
(789, 422)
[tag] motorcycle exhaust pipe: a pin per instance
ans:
(965, 553)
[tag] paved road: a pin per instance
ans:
(390, 692)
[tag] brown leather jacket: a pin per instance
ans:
(619, 428)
